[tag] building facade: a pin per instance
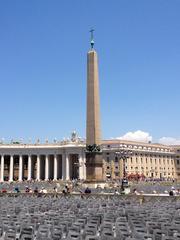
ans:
(66, 160)
(145, 159)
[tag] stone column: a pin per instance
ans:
(55, 167)
(47, 168)
(29, 168)
(2, 168)
(38, 168)
(63, 166)
(84, 165)
(67, 166)
(80, 166)
(20, 167)
(11, 168)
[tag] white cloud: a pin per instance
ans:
(169, 141)
(138, 136)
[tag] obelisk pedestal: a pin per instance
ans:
(94, 167)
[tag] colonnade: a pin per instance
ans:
(42, 167)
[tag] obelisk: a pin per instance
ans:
(94, 170)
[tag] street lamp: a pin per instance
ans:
(124, 155)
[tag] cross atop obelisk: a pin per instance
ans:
(93, 136)
(92, 38)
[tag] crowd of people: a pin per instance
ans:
(75, 187)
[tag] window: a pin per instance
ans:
(116, 159)
(177, 162)
(107, 159)
(136, 160)
(107, 167)
(107, 153)
(131, 159)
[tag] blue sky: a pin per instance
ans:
(43, 47)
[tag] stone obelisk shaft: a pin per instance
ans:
(94, 170)
(93, 109)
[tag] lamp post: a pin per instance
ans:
(124, 155)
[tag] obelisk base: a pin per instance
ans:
(94, 170)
